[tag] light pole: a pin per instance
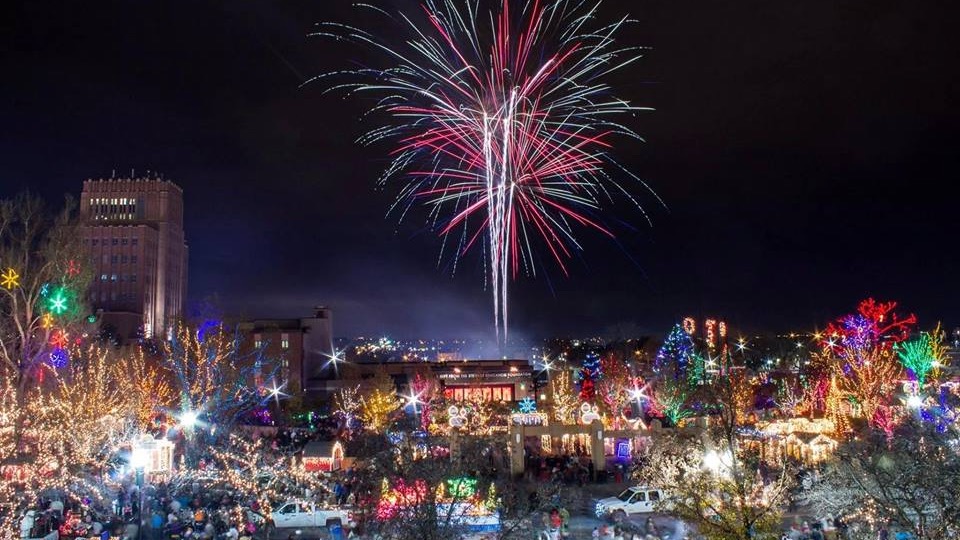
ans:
(138, 460)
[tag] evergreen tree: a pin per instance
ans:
(589, 375)
(675, 358)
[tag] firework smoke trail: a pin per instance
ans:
(503, 130)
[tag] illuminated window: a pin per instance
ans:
(284, 341)
(257, 342)
(103, 277)
(113, 277)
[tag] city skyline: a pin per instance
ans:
(803, 177)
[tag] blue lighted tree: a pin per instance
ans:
(676, 356)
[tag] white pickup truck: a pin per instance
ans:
(303, 515)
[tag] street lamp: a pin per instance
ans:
(139, 459)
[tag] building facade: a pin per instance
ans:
(303, 347)
(132, 230)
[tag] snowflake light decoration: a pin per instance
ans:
(59, 339)
(58, 303)
(527, 406)
(73, 268)
(10, 279)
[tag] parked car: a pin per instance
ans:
(303, 515)
(633, 500)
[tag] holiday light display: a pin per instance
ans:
(789, 398)
(859, 351)
(875, 326)
(57, 303)
(347, 405)
(563, 400)
(527, 405)
(614, 388)
(673, 359)
(589, 375)
(252, 467)
(10, 279)
(834, 408)
(423, 390)
(212, 378)
(512, 124)
(923, 356)
(376, 409)
(742, 396)
(671, 400)
(401, 496)
(150, 384)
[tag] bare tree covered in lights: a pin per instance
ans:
(859, 352)
(563, 398)
(150, 384)
(906, 481)
(43, 282)
(716, 482)
(615, 386)
(378, 401)
(214, 382)
(76, 424)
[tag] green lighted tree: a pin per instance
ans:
(924, 355)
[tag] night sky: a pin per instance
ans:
(806, 151)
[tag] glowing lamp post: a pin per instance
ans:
(188, 419)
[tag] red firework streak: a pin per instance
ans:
(503, 132)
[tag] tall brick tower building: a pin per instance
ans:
(133, 231)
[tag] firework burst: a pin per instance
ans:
(502, 125)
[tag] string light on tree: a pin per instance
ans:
(673, 358)
(923, 356)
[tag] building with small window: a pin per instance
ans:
(132, 231)
(303, 348)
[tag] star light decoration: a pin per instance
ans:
(10, 279)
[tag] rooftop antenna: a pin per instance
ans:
(132, 174)
(113, 173)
